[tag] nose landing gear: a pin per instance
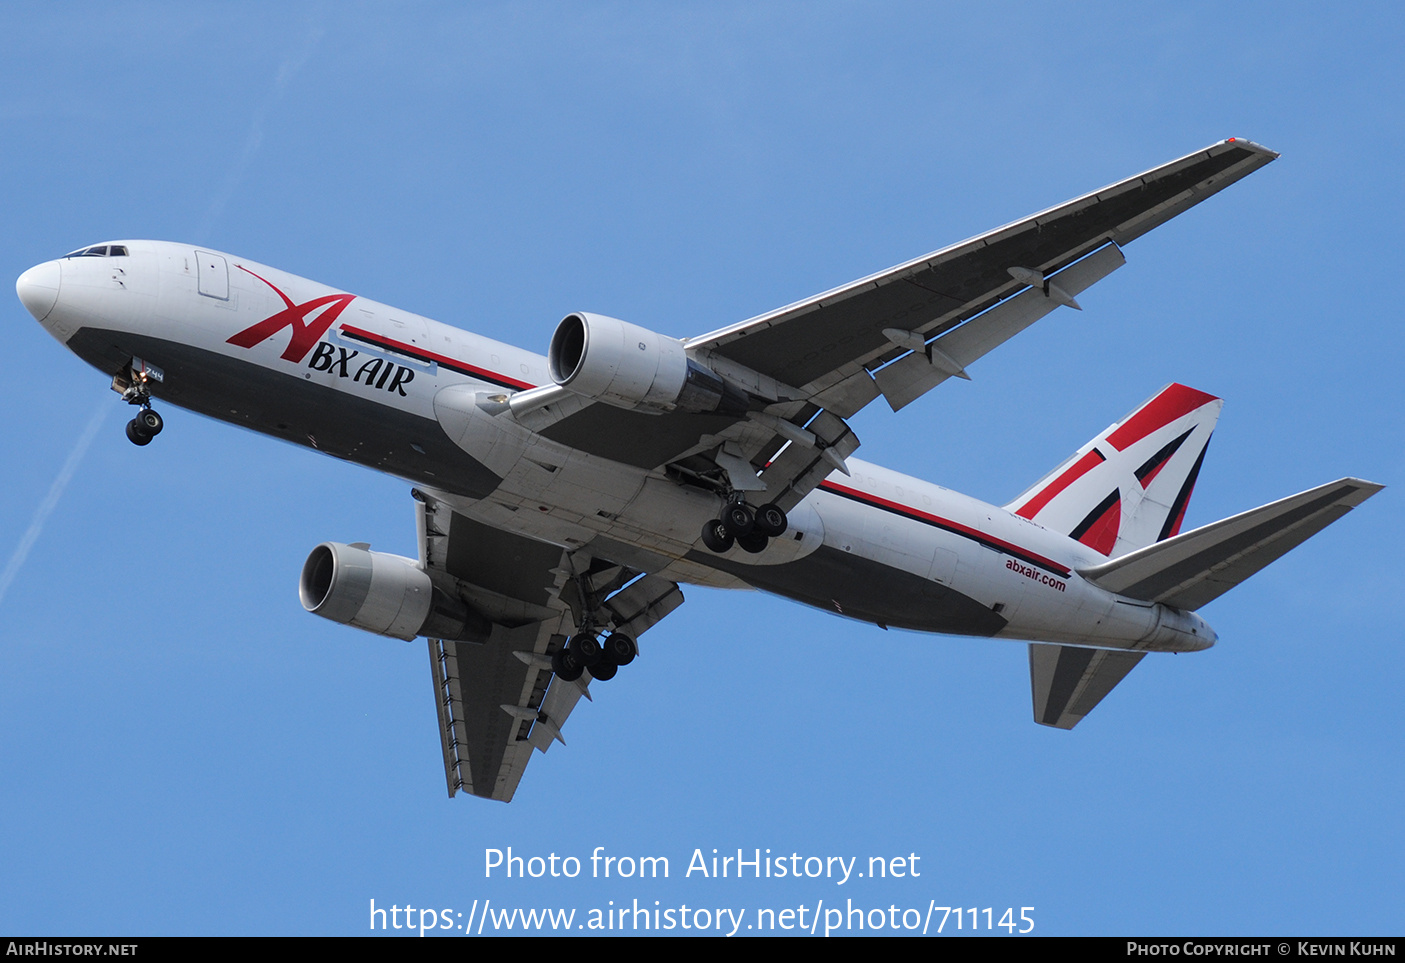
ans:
(144, 427)
(134, 386)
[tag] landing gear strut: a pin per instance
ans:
(134, 384)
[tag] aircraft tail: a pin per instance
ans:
(1184, 571)
(1128, 488)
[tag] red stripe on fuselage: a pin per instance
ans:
(956, 528)
(878, 502)
(415, 351)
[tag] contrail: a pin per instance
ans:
(51, 500)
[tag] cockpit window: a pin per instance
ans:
(100, 250)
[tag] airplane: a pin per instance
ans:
(561, 500)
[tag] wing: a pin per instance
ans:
(827, 345)
(498, 700)
(808, 366)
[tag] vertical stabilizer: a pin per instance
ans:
(1129, 487)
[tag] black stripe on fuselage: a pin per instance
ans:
(864, 589)
(294, 409)
(954, 528)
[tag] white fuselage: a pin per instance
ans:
(255, 346)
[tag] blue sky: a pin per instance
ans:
(186, 751)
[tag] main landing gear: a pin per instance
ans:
(739, 524)
(133, 384)
(585, 651)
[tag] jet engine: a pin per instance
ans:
(386, 594)
(631, 367)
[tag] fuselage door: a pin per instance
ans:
(943, 566)
(214, 275)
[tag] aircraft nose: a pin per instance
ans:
(38, 289)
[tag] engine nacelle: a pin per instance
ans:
(385, 594)
(631, 367)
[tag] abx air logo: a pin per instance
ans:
(305, 333)
(378, 372)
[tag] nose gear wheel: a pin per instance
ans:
(144, 427)
(134, 384)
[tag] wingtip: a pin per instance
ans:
(1369, 488)
(1250, 145)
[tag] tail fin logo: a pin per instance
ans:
(1100, 527)
(305, 333)
(1128, 487)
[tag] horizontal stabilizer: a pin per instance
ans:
(1194, 568)
(1067, 681)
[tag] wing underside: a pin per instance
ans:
(498, 700)
(828, 345)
